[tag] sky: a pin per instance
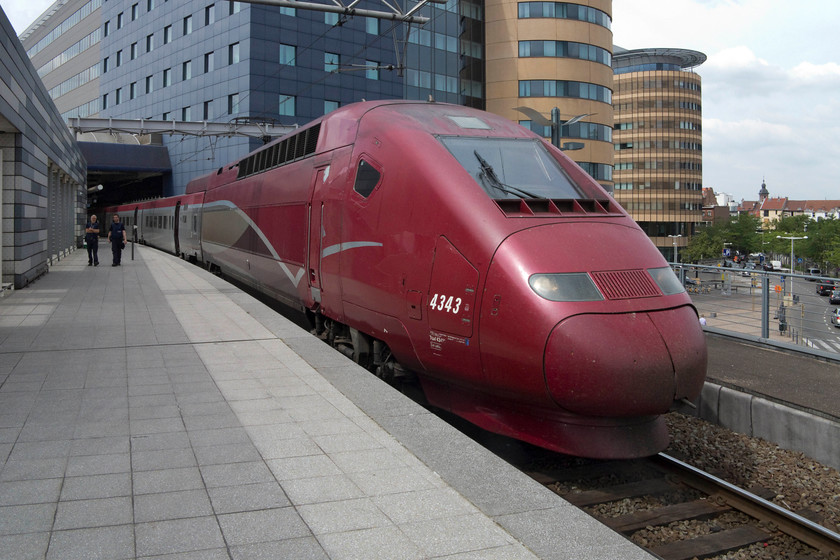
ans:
(771, 85)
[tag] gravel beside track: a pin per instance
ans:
(789, 478)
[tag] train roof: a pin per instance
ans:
(341, 126)
(431, 117)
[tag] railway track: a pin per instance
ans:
(706, 517)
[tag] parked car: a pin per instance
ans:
(814, 272)
(768, 266)
(835, 318)
(825, 287)
(749, 268)
(834, 298)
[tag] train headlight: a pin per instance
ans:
(666, 280)
(577, 286)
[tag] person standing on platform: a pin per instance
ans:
(92, 241)
(117, 237)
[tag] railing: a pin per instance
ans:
(774, 307)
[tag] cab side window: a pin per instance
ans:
(367, 177)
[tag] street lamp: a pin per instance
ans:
(792, 239)
(674, 237)
(556, 125)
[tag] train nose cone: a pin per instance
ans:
(632, 364)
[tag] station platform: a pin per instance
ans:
(153, 410)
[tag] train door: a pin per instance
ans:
(175, 228)
(316, 234)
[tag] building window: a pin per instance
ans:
(150, 5)
(167, 77)
(206, 113)
(119, 59)
(233, 53)
(287, 105)
(371, 70)
(372, 25)
(105, 63)
(233, 103)
(563, 10)
(234, 8)
(106, 29)
(330, 18)
(133, 51)
(331, 61)
(150, 43)
(119, 20)
(186, 70)
(165, 116)
(105, 101)
(150, 84)
(563, 88)
(187, 25)
(118, 96)
(132, 90)
(210, 14)
(288, 54)
(135, 10)
(167, 34)
(185, 114)
(288, 11)
(330, 106)
(208, 62)
(564, 49)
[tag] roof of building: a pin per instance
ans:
(822, 205)
(778, 204)
(684, 57)
(784, 204)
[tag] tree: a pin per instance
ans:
(706, 243)
(742, 233)
(822, 244)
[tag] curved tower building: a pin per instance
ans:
(545, 56)
(658, 142)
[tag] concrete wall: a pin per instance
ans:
(816, 436)
(43, 171)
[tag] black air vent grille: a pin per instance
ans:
(293, 148)
(543, 206)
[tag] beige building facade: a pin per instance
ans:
(658, 142)
(547, 55)
(64, 46)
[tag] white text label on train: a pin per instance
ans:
(442, 302)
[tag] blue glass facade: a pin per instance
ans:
(225, 61)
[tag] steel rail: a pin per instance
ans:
(805, 530)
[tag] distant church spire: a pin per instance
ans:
(763, 193)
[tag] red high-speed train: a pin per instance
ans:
(452, 244)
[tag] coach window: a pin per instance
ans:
(367, 177)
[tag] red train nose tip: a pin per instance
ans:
(619, 365)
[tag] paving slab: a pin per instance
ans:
(153, 410)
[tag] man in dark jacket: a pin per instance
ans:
(117, 237)
(92, 241)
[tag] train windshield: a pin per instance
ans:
(512, 167)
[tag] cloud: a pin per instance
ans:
(810, 73)
(747, 133)
(735, 58)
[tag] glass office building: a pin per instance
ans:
(222, 61)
